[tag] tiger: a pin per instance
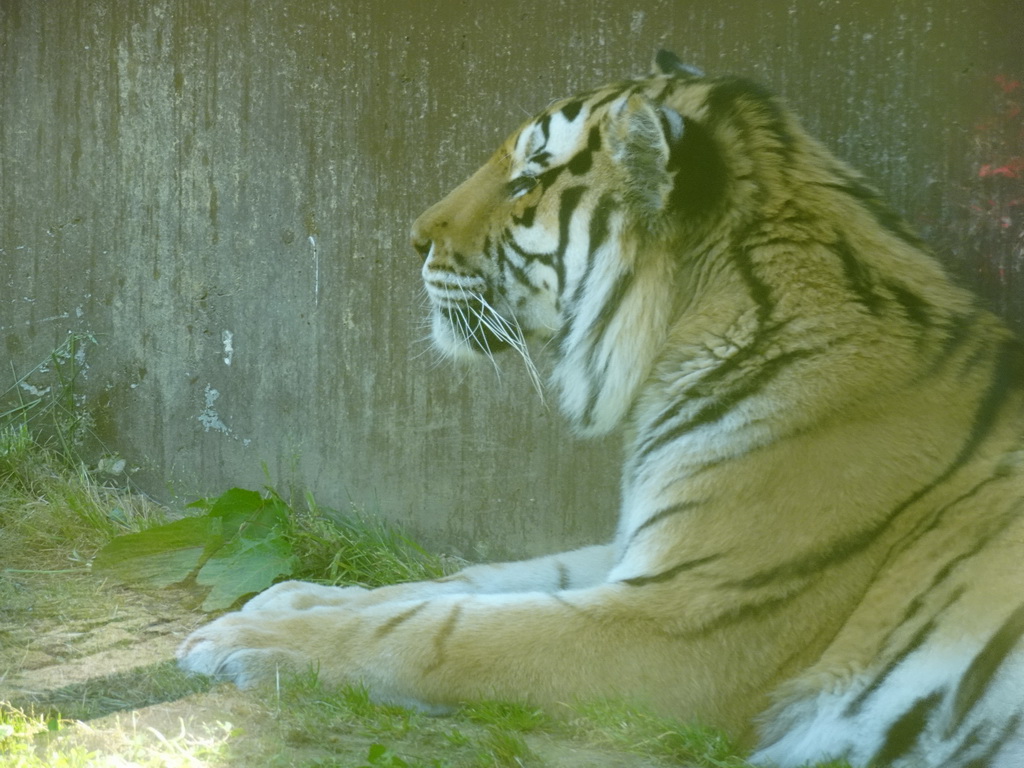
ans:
(820, 546)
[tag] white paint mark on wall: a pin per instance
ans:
(229, 346)
(34, 391)
(316, 271)
(209, 417)
(80, 359)
(636, 22)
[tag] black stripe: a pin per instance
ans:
(460, 261)
(701, 177)
(583, 160)
(609, 97)
(857, 277)
(506, 265)
(756, 287)
(917, 603)
(1006, 379)
(610, 308)
(671, 573)
(599, 228)
(571, 110)
(567, 204)
(979, 546)
(540, 157)
(550, 176)
(756, 611)
(568, 201)
(564, 579)
(983, 668)
(746, 387)
(872, 202)
(915, 308)
(916, 641)
(527, 217)
(441, 639)
(394, 622)
(711, 382)
(580, 163)
(594, 335)
(509, 240)
(598, 234)
(904, 734)
(663, 514)
(997, 744)
(722, 104)
(545, 127)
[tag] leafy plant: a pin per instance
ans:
(984, 229)
(244, 541)
(239, 546)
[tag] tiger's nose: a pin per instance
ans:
(423, 235)
(422, 246)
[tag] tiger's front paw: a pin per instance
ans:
(241, 648)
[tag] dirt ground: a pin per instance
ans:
(102, 655)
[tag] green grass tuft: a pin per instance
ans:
(336, 548)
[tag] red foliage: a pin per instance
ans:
(989, 236)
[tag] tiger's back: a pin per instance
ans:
(821, 542)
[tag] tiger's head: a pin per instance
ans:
(546, 240)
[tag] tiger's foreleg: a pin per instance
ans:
(433, 654)
(576, 569)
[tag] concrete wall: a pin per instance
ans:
(220, 192)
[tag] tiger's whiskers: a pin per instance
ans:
(512, 334)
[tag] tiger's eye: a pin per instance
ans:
(520, 185)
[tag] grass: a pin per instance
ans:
(53, 513)
(48, 499)
(355, 549)
(28, 740)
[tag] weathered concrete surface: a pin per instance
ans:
(220, 192)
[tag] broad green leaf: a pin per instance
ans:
(160, 556)
(242, 567)
(236, 548)
(247, 513)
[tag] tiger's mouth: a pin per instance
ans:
(465, 321)
(477, 325)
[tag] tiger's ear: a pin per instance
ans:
(641, 136)
(667, 63)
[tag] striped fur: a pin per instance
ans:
(821, 544)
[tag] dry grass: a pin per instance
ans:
(53, 514)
